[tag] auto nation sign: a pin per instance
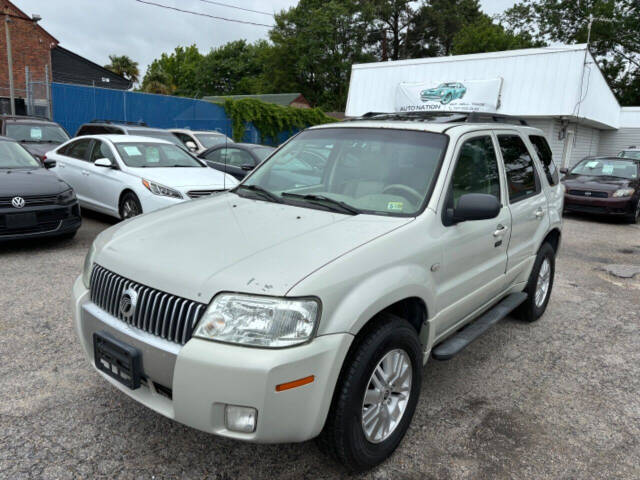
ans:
(454, 95)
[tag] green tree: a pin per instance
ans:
(124, 66)
(389, 20)
(315, 44)
(432, 30)
(485, 36)
(179, 71)
(614, 41)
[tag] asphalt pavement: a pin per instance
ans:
(556, 399)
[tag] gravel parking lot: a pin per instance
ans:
(556, 399)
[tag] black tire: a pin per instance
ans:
(343, 436)
(130, 206)
(68, 235)
(530, 310)
(635, 217)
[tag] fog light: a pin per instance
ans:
(240, 419)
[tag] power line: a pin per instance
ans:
(237, 8)
(204, 14)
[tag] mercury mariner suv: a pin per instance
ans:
(304, 302)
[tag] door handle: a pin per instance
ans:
(500, 230)
(85, 173)
(539, 213)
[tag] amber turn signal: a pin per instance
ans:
(295, 383)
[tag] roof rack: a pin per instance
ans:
(122, 122)
(444, 117)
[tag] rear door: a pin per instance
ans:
(475, 257)
(71, 166)
(527, 202)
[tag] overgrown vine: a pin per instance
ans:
(270, 119)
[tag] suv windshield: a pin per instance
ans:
(36, 132)
(635, 154)
(378, 171)
(607, 167)
(160, 134)
(154, 155)
(13, 156)
(209, 140)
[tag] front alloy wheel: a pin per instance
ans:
(130, 206)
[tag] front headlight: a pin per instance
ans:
(623, 192)
(88, 263)
(67, 196)
(161, 190)
(269, 322)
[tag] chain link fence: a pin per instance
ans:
(31, 98)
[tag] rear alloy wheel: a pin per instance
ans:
(376, 394)
(130, 206)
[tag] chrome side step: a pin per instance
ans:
(458, 341)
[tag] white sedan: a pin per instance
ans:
(124, 175)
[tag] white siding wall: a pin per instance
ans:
(612, 141)
(587, 141)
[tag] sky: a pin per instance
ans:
(95, 29)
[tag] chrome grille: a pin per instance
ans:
(589, 193)
(201, 193)
(31, 200)
(158, 313)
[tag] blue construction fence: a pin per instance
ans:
(74, 105)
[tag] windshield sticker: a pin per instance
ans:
(592, 164)
(36, 133)
(132, 151)
(607, 169)
(395, 206)
(153, 155)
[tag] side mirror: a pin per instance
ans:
(247, 167)
(191, 145)
(49, 163)
(103, 162)
(476, 206)
(564, 171)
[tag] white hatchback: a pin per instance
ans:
(124, 175)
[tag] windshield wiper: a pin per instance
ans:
(335, 205)
(261, 191)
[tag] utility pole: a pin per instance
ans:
(7, 21)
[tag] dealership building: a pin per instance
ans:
(560, 90)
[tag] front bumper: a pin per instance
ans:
(604, 206)
(192, 383)
(52, 220)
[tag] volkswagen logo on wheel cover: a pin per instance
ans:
(17, 202)
(128, 303)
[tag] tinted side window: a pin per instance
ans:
(238, 158)
(101, 150)
(184, 138)
(215, 156)
(522, 179)
(476, 170)
(546, 157)
(78, 149)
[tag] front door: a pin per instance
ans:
(475, 252)
(527, 202)
(105, 183)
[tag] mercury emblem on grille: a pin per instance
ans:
(128, 302)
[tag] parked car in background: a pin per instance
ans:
(107, 127)
(236, 159)
(34, 202)
(124, 176)
(38, 135)
(197, 141)
(630, 152)
(444, 93)
(284, 310)
(604, 185)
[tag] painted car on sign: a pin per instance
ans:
(444, 93)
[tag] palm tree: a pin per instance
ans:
(124, 66)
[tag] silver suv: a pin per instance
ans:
(305, 302)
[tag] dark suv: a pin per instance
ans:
(109, 127)
(38, 135)
(34, 202)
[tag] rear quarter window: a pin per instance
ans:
(546, 157)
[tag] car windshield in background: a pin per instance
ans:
(263, 152)
(13, 156)
(155, 155)
(607, 167)
(159, 134)
(634, 154)
(33, 132)
(353, 170)
(211, 139)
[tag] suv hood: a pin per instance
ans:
(183, 177)
(229, 243)
(37, 181)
